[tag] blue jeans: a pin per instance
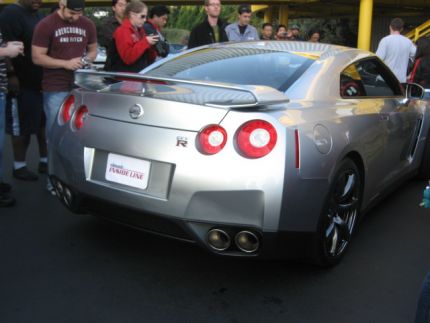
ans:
(51, 104)
(423, 309)
(2, 129)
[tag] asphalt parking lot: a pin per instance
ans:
(59, 267)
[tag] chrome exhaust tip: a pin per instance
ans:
(218, 239)
(247, 241)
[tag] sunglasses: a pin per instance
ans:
(140, 16)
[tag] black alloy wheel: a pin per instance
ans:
(339, 217)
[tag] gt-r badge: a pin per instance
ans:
(136, 111)
(181, 141)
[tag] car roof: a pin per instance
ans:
(318, 51)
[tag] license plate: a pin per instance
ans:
(127, 171)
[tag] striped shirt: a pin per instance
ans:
(3, 71)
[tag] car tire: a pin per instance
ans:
(424, 171)
(340, 214)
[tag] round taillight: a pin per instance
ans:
(66, 110)
(256, 138)
(212, 139)
(80, 116)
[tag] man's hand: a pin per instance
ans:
(14, 48)
(73, 64)
(153, 39)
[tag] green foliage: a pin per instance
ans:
(341, 31)
(176, 36)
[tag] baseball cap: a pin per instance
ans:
(75, 5)
(295, 27)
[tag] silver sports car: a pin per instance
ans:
(246, 149)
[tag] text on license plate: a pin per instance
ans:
(127, 171)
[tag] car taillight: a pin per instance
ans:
(256, 138)
(212, 139)
(66, 110)
(80, 116)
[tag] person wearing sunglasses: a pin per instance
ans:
(131, 51)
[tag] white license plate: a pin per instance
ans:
(127, 171)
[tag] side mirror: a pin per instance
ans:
(414, 91)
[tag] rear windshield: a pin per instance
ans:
(246, 66)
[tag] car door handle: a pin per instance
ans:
(384, 116)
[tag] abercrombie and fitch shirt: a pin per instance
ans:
(64, 40)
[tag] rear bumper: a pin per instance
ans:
(271, 244)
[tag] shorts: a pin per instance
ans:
(24, 113)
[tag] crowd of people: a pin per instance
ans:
(213, 29)
(40, 54)
(38, 57)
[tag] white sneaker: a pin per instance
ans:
(50, 188)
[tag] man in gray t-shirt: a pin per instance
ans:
(395, 50)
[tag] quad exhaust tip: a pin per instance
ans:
(247, 241)
(218, 239)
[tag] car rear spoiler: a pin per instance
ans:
(213, 94)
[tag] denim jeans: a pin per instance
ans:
(51, 104)
(2, 129)
(423, 309)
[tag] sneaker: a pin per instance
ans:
(6, 200)
(24, 174)
(43, 168)
(5, 187)
(50, 188)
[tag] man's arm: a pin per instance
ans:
(40, 57)
(192, 40)
(256, 35)
(381, 51)
(92, 51)
(413, 50)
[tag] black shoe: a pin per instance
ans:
(43, 168)
(5, 188)
(6, 200)
(24, 174)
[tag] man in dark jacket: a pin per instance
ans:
(211, 30)
(111, 23)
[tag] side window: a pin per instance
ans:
(372, 79)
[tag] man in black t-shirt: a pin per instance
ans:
(24, 110)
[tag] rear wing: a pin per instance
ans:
(213, 94)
